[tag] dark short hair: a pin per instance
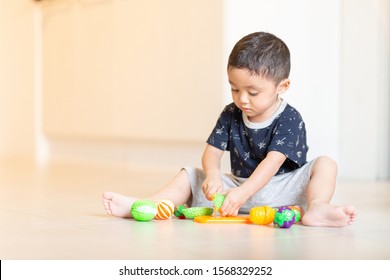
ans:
(262, 54)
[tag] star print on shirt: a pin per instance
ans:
(284, 133)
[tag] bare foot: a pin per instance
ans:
(117, 204)
(328, 215)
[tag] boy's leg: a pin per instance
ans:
(318, 195)
(178, 191)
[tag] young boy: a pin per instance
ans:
(266, 138)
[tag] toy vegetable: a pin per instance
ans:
(262, 215)
(191, 213)
(143, 210)
(179, 211)
(284, 217)
(218, 200)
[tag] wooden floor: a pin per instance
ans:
(55, 212)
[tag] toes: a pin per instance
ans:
(107, 199)
(107, 207)
(108, 195)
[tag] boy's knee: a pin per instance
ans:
(325, 162)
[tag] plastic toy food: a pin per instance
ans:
(284, 217)
(222, 220)
(143, 210)
(191, 213)
(262, 215)
(179, 211)
(165, 209)
(298, 212)
(218, 200)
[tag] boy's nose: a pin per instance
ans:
(244, 98)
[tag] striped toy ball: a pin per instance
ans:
(165, 209)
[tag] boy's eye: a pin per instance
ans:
(253, 93)
(234, 90)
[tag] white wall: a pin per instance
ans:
(364, 120)
(314, 43)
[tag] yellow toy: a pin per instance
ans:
(262, 215)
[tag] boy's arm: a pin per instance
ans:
(236, 197)
(211, 163)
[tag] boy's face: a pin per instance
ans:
(256, 96)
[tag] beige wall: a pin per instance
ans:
(135, 70)
(17, 79)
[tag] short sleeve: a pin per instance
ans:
(289, 138)
(219, 137)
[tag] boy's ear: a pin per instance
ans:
(283, 86)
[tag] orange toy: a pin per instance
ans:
(165, 209)
(222, 220)
(262, 215)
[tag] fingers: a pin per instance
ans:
(208, 192)
(229, 208)
(209, 188)
(233, 201)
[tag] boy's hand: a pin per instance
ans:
(212, 185)
(235, 198)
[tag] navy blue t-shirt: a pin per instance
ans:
(249, 142)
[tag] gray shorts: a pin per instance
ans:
(282, 190)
